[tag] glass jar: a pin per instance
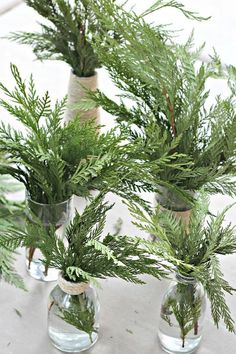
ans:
(57, 215)
(73, 314)
(182, 316)
(170, 200)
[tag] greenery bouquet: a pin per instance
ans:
(68, 35)
(164, 98)
(194, 254)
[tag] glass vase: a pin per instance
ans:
(48, 215)
(73, 312)
(170, 200)
(182, 316)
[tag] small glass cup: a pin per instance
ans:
(170, 200)
(57, 215)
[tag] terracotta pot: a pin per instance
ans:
(76, 93)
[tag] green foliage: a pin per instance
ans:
(73, 26)
(10, 213)
(164, 99)
(193, 250)
(232, 78)
(160, 4)
(186, 308)
(87, 254)
(82, 316)
(9, 210)
(68, 36)
(7, 271)
(54, 160)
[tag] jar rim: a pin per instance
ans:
(171, 200)
(46, 204)
(71, 288)
(84, 77)
(185, 278)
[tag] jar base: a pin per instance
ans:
(37, 271)
(173, 345)
(67, 343)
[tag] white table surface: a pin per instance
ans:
(129, 313)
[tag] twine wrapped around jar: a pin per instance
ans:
(184, 216)
(73, 316)
(76, 93)
(71, 288)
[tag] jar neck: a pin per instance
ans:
(185, 279)
(46, 205)
(49, 214)
(71, 288)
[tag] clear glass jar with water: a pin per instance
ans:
(73, 315)
(182, 316)
(48, 215)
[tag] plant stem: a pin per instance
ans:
(196, 328)
(51, 305)
(183, 340)
(48, 261)
(31, 255)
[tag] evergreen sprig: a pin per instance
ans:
(82, 316)
(9, 209)
(73, 26)
(7, 270)
(87, 254)
(186, 306)
(9, 213)
(160, 4)
(193, 250)
(164, 94)
(54, 160)
(68, 36)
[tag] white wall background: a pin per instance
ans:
(218, 32)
